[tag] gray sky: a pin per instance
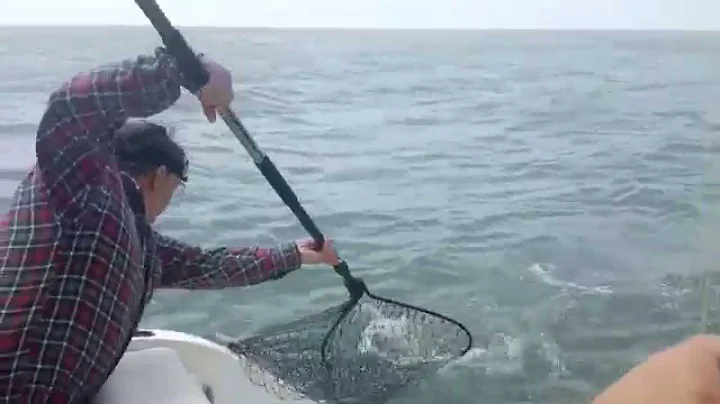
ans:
(633, 14)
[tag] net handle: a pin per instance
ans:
(197, 75)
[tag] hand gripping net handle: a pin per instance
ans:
(193, 69)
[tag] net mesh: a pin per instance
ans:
(363, 351)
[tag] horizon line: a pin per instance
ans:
(339, 28)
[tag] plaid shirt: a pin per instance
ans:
(78, 260)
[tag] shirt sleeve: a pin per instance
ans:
(190, 267)
(73, 144)
(76, 176)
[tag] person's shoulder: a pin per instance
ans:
(30, 194)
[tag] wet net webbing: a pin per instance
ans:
(363, 351)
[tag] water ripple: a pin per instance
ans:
(563, 207)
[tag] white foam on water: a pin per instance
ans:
(383, 336)
(518, 354)
(395, 339)
(544, 274)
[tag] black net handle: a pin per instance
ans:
(197, 77)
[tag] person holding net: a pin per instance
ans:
(79, 259)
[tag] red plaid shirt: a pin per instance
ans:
(78, 260)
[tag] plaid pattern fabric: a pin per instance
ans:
(78, 260)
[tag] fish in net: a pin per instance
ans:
(363, 351)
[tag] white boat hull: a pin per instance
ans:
(161, 366)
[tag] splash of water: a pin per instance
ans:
(398, 340)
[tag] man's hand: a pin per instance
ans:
(218, 93)
(687, 373)
(310, 256)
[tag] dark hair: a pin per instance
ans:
(142, 146)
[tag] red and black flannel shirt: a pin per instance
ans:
(78, 261)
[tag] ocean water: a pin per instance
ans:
(555, 191)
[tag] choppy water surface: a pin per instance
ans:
(555, 191)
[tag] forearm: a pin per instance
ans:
(189, 267)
